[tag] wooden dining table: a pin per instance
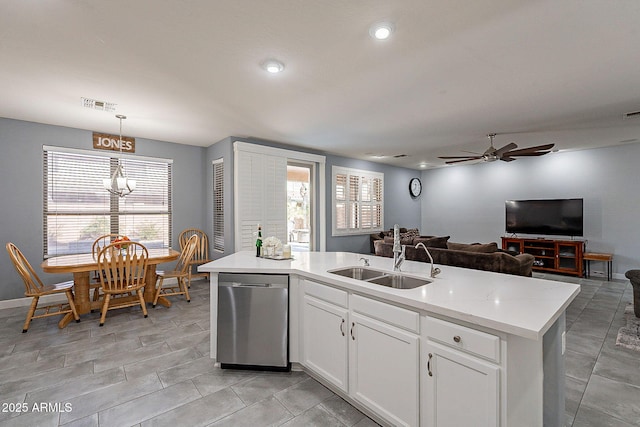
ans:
(81, 265)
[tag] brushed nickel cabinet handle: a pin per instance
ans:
(342, 327)
(457, 338)
(429, 365)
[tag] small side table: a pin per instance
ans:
(593, 256)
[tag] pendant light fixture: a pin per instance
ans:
(119, 184)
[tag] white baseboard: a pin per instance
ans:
(26, 301)
(50, 299)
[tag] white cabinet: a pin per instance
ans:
(461, 391)
(325, 340)
(384, 369)
(324, 333)
(460, 376)
(366, 348)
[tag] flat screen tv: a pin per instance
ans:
(554, 217)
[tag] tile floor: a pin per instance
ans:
(156, 371)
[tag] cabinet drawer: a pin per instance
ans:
(463, 338)
(390, 314)
(326, 293)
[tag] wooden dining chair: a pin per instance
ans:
(99, 244)
(123, 276)
(35, 289)
(201, 255)
(180, 273)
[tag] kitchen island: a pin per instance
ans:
(471, 346)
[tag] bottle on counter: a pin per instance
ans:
(259, 241)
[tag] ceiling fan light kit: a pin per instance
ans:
(506, 153)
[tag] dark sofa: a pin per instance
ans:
(406, 236)
(475, 256)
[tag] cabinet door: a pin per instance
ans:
(325, 340)
(568, 257)
(514, 245)
(459, 389)
(384, 366)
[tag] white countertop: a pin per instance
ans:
(517, 305)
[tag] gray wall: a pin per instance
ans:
(467, 202)
(221, 150)
(21, 189)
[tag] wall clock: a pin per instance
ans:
(415, 187)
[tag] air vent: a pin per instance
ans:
(98, 105)
(631, 115)
(398, 156)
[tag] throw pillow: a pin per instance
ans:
(432, 242)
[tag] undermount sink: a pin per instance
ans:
(359, 273)
(399, 281)
(381, 277)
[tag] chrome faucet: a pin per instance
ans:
(398, 249)
(366, 261)
(398, 258)
(434, 271)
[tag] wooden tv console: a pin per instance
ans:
(553, 256)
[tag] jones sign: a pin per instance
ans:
(104, 141)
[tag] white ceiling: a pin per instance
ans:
(454, 70)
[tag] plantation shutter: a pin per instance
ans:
(358, 205)
(218, 205)
(261, 198)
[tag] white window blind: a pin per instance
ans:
(218, 205)
(77, 209)
(358, 205)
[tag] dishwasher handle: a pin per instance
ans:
(252, 285)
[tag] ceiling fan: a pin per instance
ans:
(506, 153)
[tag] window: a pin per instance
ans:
(218, 205)
(358, 205)
(77, 209)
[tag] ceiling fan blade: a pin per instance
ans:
(533, 153)
(450, 162)
(524, 151)
(507, 159)
(461, 157)
(510, 146)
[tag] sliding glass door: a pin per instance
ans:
(300, 206)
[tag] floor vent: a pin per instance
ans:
(98, 105)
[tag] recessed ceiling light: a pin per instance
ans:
(381, 30)
(273, 66)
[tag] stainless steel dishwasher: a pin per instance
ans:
(253, 321)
